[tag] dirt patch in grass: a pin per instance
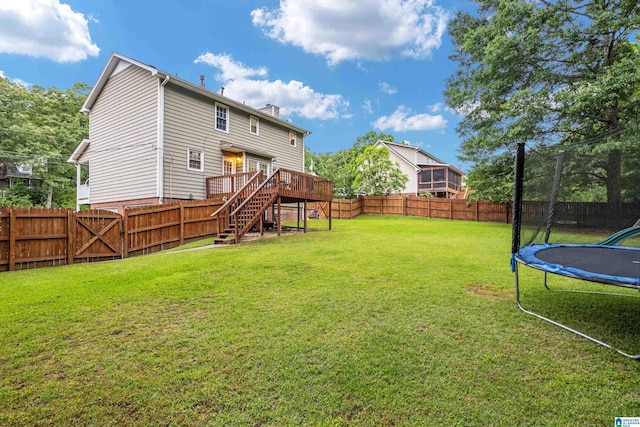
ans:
(489, 290)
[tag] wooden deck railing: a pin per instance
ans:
(223, 214)
(252, 208)
(227, 185)
(246, 206)
(305, 186)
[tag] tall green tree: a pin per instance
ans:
(341, 165)
(41, 128)
(545, 72)
(376, 175)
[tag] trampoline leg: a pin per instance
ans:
(561, 325)
(579, 291)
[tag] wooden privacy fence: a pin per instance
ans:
(427, 207)
(154, 228)
(35, 237)
(578, 214)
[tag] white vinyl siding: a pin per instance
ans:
(123, 134)
(190, 123)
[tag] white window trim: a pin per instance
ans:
(215, 117)
(295, 138)
(257, 132)
(189, 150)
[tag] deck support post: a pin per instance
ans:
(304, 215)
(279, 216)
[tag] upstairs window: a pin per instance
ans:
(195, 160)
(292, 138)
(222, 118)
(254, 125)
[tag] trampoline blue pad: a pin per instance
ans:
(615, 265)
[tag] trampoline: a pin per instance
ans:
(607, 262)
(612, 265)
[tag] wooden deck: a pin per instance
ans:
(249, 204)
(292, 186)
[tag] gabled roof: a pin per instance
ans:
(392, 146)
(77, 153)
(116, 59)
(15, 170)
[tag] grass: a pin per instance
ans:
(381, 321)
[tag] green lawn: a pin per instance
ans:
(381, 321)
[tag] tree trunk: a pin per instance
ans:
(49, 196)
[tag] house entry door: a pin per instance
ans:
(228, 168)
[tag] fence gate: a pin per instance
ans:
(97, 235)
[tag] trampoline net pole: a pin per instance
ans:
(517, 201)
(554, 196)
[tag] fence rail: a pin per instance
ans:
(36, 237)
(578, 214)
(427, 207)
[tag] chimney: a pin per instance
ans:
(271, 109)
(222, 90)
(201, 80)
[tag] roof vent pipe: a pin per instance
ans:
(222, 90)
(201, 80)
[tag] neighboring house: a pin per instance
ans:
(427, 174)
(12, 174)
(154, 138)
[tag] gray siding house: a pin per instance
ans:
(427, 173)
(154, 138)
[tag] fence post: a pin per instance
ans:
(450, 208)
(181, 224)
(428, 207)
(71, 247)
(12, 239)
(125, 234)
(477, 211)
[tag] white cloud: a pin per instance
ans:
(401, 121)
(367, 106)
(45, 28)
(387, 88)
(348, 30)
(441, 106)
(436, 108)
(15, 80)
(293, 97)
(229, 68)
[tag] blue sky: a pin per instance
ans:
(338, 68)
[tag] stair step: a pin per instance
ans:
(224, 241)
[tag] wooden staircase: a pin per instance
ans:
(236, 217)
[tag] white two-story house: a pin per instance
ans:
(155, 138)
(427, 173)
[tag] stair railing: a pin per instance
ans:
(249, 211)
(223, 213)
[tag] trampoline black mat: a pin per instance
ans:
(592, 262)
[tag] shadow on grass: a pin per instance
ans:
(612, 319)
